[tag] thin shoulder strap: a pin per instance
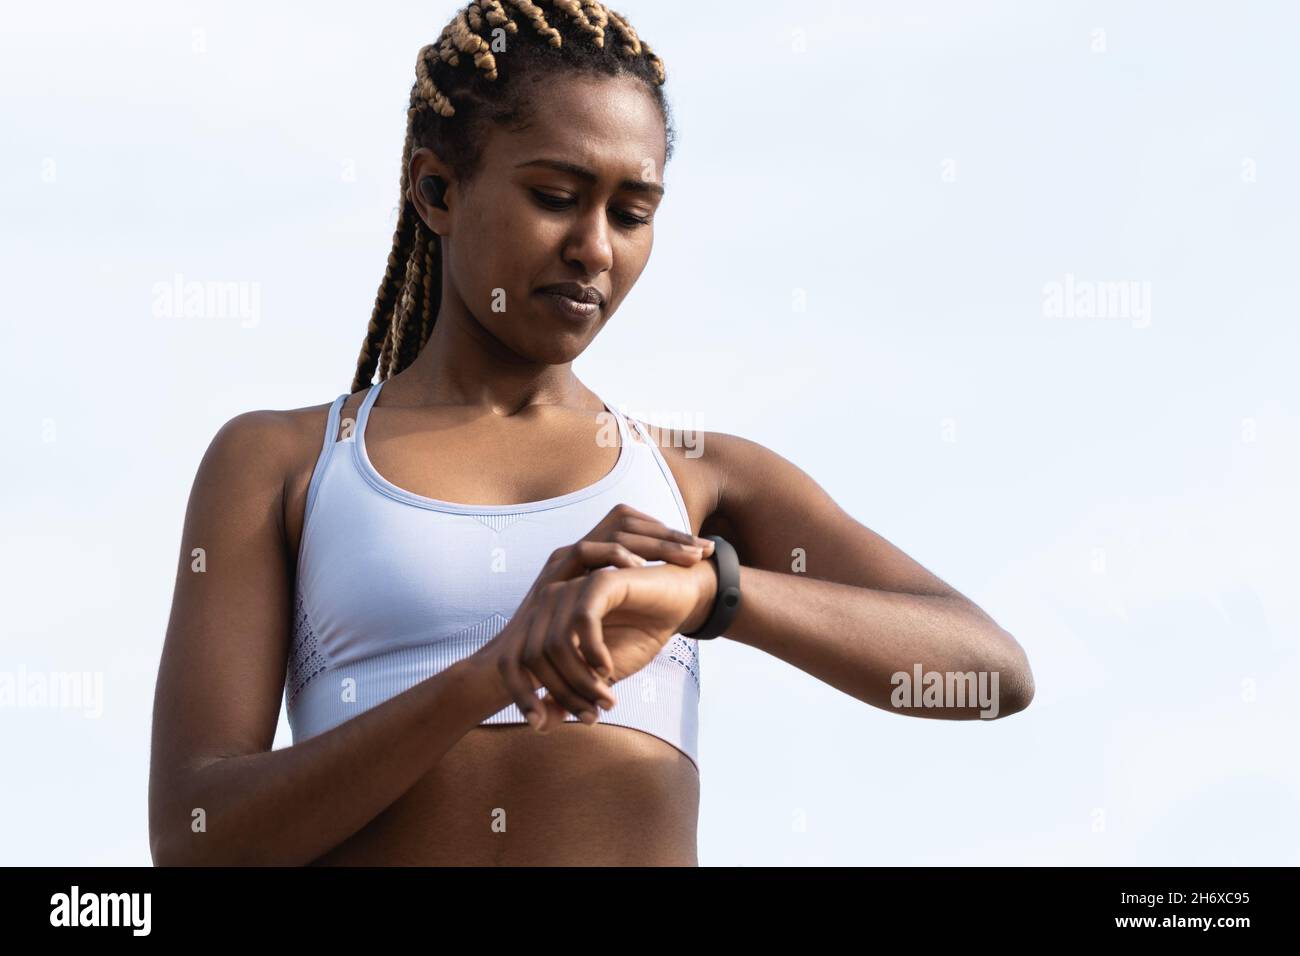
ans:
(639, 431)
(363, 412)
(625, 435)
(331, 432)
(332, 424)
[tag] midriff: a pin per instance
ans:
(505, 795)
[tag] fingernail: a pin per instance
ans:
(588, 717)
(534, 719)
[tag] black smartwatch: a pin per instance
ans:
(726, 602)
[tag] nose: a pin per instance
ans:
(587, 245)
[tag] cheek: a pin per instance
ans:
(481, 261)
(629, 265)
(507, 248)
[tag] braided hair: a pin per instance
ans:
(465, 81)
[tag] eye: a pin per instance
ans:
(552, 202)
(628, 219)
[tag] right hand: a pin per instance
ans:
(624, 538)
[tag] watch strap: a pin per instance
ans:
(726, 601)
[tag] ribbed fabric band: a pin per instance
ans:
(655, 696)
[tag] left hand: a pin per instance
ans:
(615, 620)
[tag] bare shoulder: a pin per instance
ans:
(268, 455)
(304, 430)
(274, 441)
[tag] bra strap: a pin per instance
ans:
(331, 432)
(363, 412)
(332, 423)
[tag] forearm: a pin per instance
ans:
(289, 806)
(857, 639)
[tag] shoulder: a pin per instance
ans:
(274, 436)
(265, 449)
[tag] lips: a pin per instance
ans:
(576, 292)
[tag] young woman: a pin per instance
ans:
(476, 539)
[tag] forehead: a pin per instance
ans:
(604, 123)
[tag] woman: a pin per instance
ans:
(434, 559)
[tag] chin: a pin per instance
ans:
(544, 344)
(560, 352)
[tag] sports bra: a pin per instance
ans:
(393, 587)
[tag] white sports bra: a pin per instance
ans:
(393, 587)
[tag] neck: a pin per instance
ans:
(464, 364)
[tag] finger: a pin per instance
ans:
(601, 554)
(623, 517)
(655, 528)
(555, 714)
(623, 520)
(562, 650)
(522, 690)
(623, 510)
(539, 701)
(591, 641)
(597, 599)
(535, 660)
(548, 708)
(659, 549)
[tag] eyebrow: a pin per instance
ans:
(586, 175)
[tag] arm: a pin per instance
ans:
(221, 679)
(857, 611)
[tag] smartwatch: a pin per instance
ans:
(726, 601)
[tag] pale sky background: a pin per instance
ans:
(1118, 492)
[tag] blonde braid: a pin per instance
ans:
(432, 260)
(413, 265)
(381, 316)
(598, 16)
(578, 13)
(538, 19)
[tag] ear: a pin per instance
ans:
(425, 162)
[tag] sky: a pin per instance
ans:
(1015, 283)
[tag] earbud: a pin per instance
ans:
(433, 188)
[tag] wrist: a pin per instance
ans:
(478, 687)
(705, 574)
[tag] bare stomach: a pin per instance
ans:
(505, 795)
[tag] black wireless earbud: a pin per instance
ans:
(433, 188)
